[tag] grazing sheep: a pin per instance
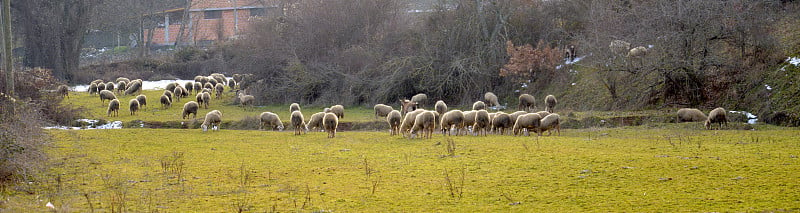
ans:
(478, 105)
(63, 90)
(199, 99)
(123, 79)
(198, 78)
(530, 122)
(408, 121)
(171, 86)
(491, 99)
(97, 81)
(135, 87)
(177, 93)
(516, 114)
(190, 108)
(330, 122)
(637, 52)
(502, 122)
(491, 118)
(110, 86)
(315, 122)
(394, 118)
(113, 107)
(440, 107)
(197, 87)
(452, 120)
(133, 106)
(717, 115)
(690, 115)
(548, 123)
(420, 99)
(425, 122)
(550, 103)
(326, 110)
(481, 123)
(407, 106)
(213, 119)
(232, 83)
(204, 80)
(168, 94)
(219, 89)
(294, 107)
(101, 86)
(220, 78)
(142, 100)
(269, 119)
(338, 110)
(619, 47)
(106, 95)
(469, 118)
(206, 99)
(189, 86)
(121, 86)
(246, 100)
(208, 85)
(526, 103)
(382, 110)
(93, 89)
(213, 82)
(165, 102)
(298, 122)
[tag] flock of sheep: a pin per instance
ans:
(716, 116)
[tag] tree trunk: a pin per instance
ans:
(184, 19)
(7, 48)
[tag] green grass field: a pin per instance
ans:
(675, 168)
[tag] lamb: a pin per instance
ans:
(219, 89)
(491, 99)
(419, 98)
(189, 86)
(142, 100)
(206, 99)
(135, 87)
(407, 106)
(717, 115)
(338, 110)
(269, 119)
(619, 47)
(298, 122)
(294, 107)
(394, 118)
(213, 119)
(110, 86)
(478, 105)
(526, 103)
(530, 121)
(93, 89)
(453, 119)
(550, 122)
(101, 86)
(113, 107)
(246, 100)
(440, 107)
(408, 121)
(637, 52)
(425, 122)
(315, 122)
(63, 90)
(121, 87)
(105, 94)
(690, 115)
(382, 110)
(165, 102)
(502, 122)
(190, 108)
(481, 122)
(330, 122)
(550, 103)
(133, 106)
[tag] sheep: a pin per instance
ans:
(123, 79)
(298, 122)
(481, 122)
(469, 118)
(168, 94)
(382, 110)
(502, 122)
(171, 86)
(93, 89)
(213, 82)
(165, 102)
(219, 89)
(407, 106)
(63, 90)
(543, 113)
(394, 118)
(133, 106)
(142, 100)
(105, 94)
(478, 105)
(197, 87)
(425, 122)
(330, 122)
(315, 122)
(491, 118)
(491, 99)
(203, 80)
(113, 107)
(189, 86)
(294, 107)
(338, 110)
(550, 103)
(177, 93)
(440, 107)
(269, 119)
(101, 86)
(637, 52)
(690, 115)
(419, 99)
(530, 121)
(213, 119)
(246, 100)
(199, 99)
(526, 103)
(208, 85)
(190, 108)
(110, 86)
(408, 121)
(121, 86)
(232, 83)
(619, 47)
(184, 92)
(516, 114)
(135, 87)
(717, 115)
(549, 122)
(219, 78)
(453, 119)
(198, 78)
(206, 99)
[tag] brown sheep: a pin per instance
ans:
(382, 110)
(491, 99)
(113, 108)
(425, 122)
(330, 122)
(298, 122)
(526, 103)
(407, 106)
(269, 119)
(690, 115)
(190, 108)
(394, 118)
(718, 116)
(550, 103)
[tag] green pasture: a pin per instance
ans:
(676, 168)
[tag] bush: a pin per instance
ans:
(21, 139)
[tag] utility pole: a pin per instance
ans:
(8, 57)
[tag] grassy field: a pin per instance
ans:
(674, 168)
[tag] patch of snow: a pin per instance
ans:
(573, 84)
(650, 46)
(793, 60)
(577, 59)
(146, 85)
(559, 66)
(768, 87)
(92, 124)
(524, 85)
(751, 119)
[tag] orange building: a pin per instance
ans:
(209, 21)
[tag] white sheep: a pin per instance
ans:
(549, 122)
(452, 120)
(213, 119)
(133, 106)
(338, 110)
(425, 122)
(113, 108)
(550, 103)
(408, 121)
(135, 87)
(189, 86)
(491, 99)
(502, 122)
(294, 107)
(394, 118)
(206, 99)
(330, 122)
(93, 89)
(165, 102)
(478, 105)
(440, 107)
(526, 103)
(469, 118)
(481, 123)
(190, 108)
(419, 99)
(298, 122)
(219, 89)
(246, 100)
(690, 115)
(718, 116)
(637, 52)
(142, 100)
(382, 110)
(315, 122)
(269, 119)
(106, 95)
(530, 122)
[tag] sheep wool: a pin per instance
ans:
(113, 107)
(298, 122)
(394, 118)
(269, 119)
(330, 122)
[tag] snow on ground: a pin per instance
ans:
(793, 60)
(92, 124)
(751, 119)
(146, 85)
